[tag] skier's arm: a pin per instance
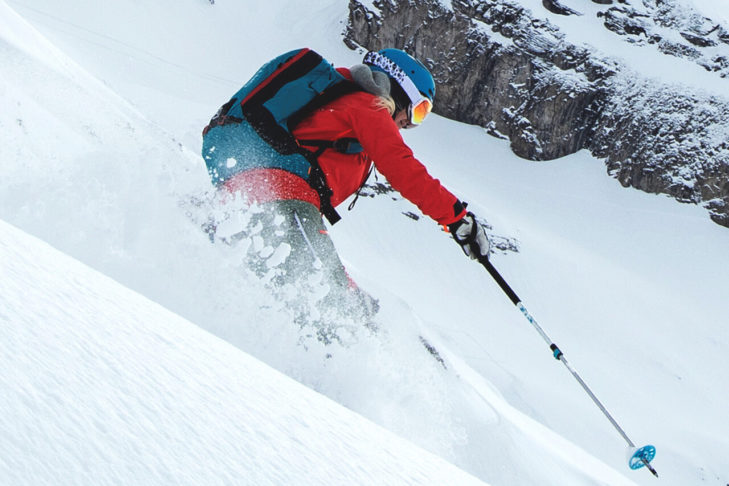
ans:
(381, 140)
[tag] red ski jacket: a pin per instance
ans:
(357, 116)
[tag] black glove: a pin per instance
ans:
(471, 235)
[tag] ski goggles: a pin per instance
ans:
(420, 105)
(418, 111)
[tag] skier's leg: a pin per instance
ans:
(295, 229)
(344, 294)
(289, 248)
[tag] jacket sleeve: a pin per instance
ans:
(381, 140)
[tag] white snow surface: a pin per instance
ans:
(158, 376)
(717, 10)
(112, 388)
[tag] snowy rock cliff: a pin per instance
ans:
(509, 69)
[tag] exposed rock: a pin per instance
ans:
(625, 22)
(522, 82)
(698, 40)
(555, 7)
(499, 67)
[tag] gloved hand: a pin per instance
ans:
(471, 235)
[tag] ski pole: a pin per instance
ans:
(640, 457)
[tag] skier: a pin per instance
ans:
(395, 91)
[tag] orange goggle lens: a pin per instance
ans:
(420, 110)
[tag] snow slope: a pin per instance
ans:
(100, 159)
(102, 386)
(715, 10)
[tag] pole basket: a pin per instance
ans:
(642, 457)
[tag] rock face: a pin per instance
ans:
(498, 66)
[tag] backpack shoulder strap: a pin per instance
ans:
(327, 96)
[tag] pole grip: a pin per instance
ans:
(500, 280)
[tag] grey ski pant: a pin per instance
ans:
(299, 225)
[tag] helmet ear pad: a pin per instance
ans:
(402, 101)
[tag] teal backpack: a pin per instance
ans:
(253, 129)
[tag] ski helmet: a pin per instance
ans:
(413, 89)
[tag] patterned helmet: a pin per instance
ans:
(414, 87)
